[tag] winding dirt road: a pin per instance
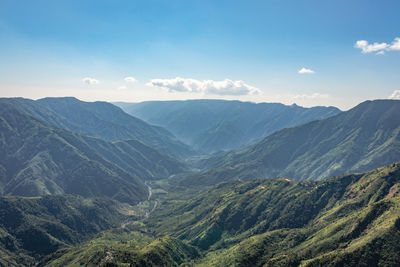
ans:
(148, 212)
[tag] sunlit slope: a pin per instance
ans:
(350, 218)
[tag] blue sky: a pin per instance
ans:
(247, 50)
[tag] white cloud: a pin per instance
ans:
(306, 71)
(395, 44)
(229, 87)
(379, 48)
(369, 48)
(395, 95)
(130, 79)
(225, 87)
(88, 80)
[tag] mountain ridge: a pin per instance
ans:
(36, 159)
(101, 119)
(361, 139)
(213, 125)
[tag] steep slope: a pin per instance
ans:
(33, 227)
(349, 220)
(103, 120)
(143, 252)
(212, 125)
(36, 159)
(280, 222)
(361, 139)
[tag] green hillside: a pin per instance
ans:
(100, 119)
(126, 249)
(349, 220)
(361, 139)
(36, 159)
(33, 227)
(283, 222)
(182, 218)
(213, 125)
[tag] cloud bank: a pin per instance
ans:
(90, 81)
(395, 95)
(306, 71)
(379, 48)
(225, 87)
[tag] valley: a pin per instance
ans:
(323, 193)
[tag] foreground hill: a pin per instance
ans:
(100, 119)
(279, 222)
(361, 139)
(36, 159)
(213, 125)
(33, 227)
(350, 220)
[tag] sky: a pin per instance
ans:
(308, 52)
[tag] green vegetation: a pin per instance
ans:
(33, 227)
(109, 122)
(350, 220)
(213, 125)
(36, 159)
(358, 140)
(99, 119)
(126, 249)
(135, 206)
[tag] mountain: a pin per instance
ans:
(361, 139)
(101, 119)
(349, 220)
(37, 159)
(280, 222)
(213, 125)
(33, 227)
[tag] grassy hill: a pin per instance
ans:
(213, 125)
(361, 139)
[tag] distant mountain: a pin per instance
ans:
(361, 139)
(103, 120)
(351, 220)
(34, 227)
(213, 125)
(37, 159)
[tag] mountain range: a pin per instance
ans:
(101, 119)
(86, 184)
(214, 125)
(37, 159)
(360, 139)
